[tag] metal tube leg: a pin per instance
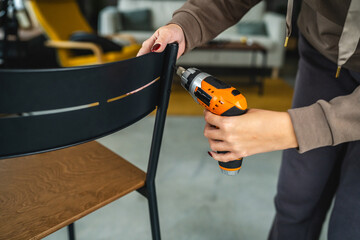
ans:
(153, 210)
(71, 231)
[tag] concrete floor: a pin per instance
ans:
(195, 200)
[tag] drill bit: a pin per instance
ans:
(180, 71)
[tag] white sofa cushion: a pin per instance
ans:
(255, 14)
(161, 11)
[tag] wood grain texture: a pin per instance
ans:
(42, 193)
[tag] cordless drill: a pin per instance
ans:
(218, 98)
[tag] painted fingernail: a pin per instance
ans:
(155, 47)
(210, 154)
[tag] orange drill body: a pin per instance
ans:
(217, 97)
(222, 99)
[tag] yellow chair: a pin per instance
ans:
(62, 18)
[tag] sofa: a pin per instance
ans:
(140, 18)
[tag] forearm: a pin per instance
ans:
(203, 20)
(327, 123)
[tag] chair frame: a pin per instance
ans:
(96, 49)
(149, 190)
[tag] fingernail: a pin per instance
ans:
(210, 154)
(155, 47)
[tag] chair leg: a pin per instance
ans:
(71, 231)
(275, 72)
(153, 210)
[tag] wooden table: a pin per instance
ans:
(243, 46)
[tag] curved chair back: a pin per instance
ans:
(55, 108)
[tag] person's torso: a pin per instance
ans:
(321, 22)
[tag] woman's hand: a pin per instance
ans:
(257, 131)
(164, 35)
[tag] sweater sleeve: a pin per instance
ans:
(203, 20)
(327, 123)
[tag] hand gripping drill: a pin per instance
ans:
(218, 98)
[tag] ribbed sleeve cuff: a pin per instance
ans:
(190, 26)
(311, 127)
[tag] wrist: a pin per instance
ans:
(176, 26)
(289, 132)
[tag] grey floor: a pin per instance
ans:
(195, 201)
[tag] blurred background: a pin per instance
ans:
(195, 200)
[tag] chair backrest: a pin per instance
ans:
(59, 19)
(48, 109)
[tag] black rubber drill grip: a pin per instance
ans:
(234, 111)
(235, 164)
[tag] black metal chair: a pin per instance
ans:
(47, 180)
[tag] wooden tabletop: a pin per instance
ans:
(42, 193)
